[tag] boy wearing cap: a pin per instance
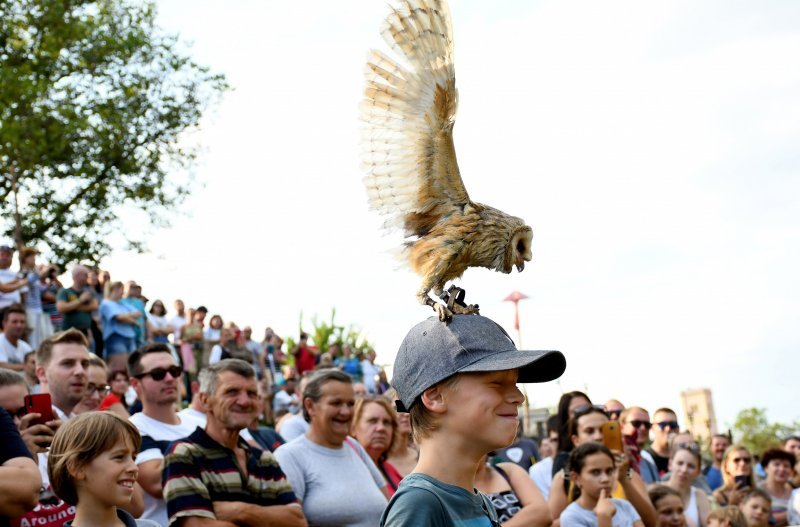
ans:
(458, 382)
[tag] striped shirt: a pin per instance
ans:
(199, 471)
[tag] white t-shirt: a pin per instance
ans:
(542, 474)
(13, 354)
(369, 371)
(177, 322)
(293, 427)
(337, 486)
(6, 299)
(156, 437)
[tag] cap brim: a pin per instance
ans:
(533, 366)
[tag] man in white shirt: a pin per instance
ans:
(370, 371)
(12, 348)
(10, 281)
(178, 321)
(156, 377)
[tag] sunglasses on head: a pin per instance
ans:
(637, 423)
(672, 425)
(584, 409)
(102, 389)
(691, 447)
(158, 374)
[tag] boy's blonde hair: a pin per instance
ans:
(423, 421)
(79, 441)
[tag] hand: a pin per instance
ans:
(86, 296)
(605, 507)
(37, 437)
(737, 494)
(623, 463)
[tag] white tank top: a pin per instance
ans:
(692, 513)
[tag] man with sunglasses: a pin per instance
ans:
(665, 423)
(635, 421)
(156, 378)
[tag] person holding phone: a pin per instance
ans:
(737, 476)
(586, 426)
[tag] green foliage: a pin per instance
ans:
(753, 429)
(93, 105)
(326, 334)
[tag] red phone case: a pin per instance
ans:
(39, 403)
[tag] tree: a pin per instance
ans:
(753, 430)
(94, 101)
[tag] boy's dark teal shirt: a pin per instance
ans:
(422, 501)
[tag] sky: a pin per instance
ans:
(651, 146)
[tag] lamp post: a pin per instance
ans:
(515, 297)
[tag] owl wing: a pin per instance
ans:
(408, 150)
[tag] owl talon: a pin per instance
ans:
(471, 309)
(444, 313)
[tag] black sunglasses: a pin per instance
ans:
(158, 374)
(638, 424)
(673, 425)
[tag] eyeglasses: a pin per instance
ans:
(636, 423)
(158, 374)
(745, 460)
(672, 425)
(102, 389)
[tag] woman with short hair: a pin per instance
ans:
(778, 465)
(330, 473)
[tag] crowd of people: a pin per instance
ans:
(161, 420)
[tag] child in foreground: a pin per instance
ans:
(593, 470)
(458, 382)
(91, 466)
(756, 508)
(729, 516)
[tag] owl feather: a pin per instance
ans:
(408, 154)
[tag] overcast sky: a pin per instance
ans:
(651, 146)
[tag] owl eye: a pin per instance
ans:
(520, 246)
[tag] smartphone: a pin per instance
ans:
(612, 436)
(742, 481)
(39, 403)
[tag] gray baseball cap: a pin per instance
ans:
(433, 351)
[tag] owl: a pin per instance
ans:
(408, 154)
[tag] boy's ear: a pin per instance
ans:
(434, 400)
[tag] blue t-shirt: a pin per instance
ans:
(575, 515)
(422, 501)
(714, 478)
(136, 305)
(110, 309)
